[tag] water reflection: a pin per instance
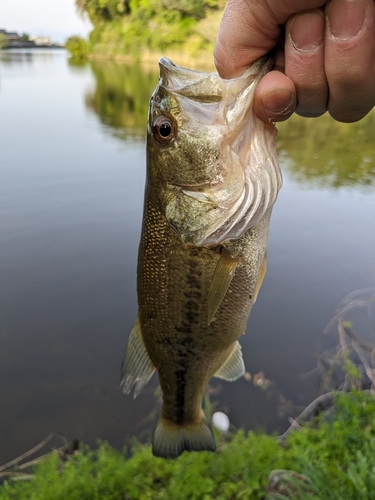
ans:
(331, 154)
(121, 97)
(319, 151)
(17, 56)
(71, 197)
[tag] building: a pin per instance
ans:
(12, 36)
(40, 40)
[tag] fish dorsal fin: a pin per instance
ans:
(137, 368)
(223, 275)
(262, 274)
(234, 367)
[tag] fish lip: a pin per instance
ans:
(169, 66)
(173, 69)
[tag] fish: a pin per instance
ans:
(212, 180)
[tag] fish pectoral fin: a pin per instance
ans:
(137, 368)
(234, 367)
(199, 196)
(170, 440)
(223, 275)
(262, 274)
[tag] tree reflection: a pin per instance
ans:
(319, 151)
(327, 153)
(121, 97)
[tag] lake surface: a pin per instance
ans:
(72, 171)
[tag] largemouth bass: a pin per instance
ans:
(212, 180)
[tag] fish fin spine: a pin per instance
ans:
(171, 440)
(137, 367)
(234, 366)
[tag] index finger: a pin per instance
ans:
(251, 28)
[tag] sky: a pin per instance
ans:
(57, 19)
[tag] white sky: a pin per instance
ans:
(57, 19)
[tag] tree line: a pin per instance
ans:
(133, 26)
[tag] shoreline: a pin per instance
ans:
(203, 60)
(28, 46)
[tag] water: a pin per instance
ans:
(72, 169)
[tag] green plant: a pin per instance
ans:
(3, 41)
(78, 47)
(330, 458)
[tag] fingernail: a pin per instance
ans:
(278, 101)
(345, 18)
(305, 32)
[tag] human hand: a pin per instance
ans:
(327, 61)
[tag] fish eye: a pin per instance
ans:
(163, 130)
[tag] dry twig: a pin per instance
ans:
(27, 453)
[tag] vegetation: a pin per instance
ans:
(3, 41)
(323, 460)
(78, 47)
(134, 28)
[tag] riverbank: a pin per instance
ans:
(329, 458)
(82, 50)
(203, 60)
(30, 45)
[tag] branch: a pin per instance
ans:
(28, 453)
(324, 398)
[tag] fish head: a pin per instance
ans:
(207, 152)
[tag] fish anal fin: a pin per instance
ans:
(221, 279)
(137, 368)
(171, 440)
(234, 367)
(262, 274)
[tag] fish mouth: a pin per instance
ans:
(250, 178)
(190, 83)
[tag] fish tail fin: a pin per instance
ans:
(170, 440)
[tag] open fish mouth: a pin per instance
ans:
(249, 177)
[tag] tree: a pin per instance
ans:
(3, 41)
(78, 47)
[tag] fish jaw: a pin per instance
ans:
(219, 175)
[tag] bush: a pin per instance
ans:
(78, 47)
(328, 459)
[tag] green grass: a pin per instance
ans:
(337, 457)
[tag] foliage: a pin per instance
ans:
(3, 41)
(78, 47)
(336, 459)
(128, 27)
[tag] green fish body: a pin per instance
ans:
(212, 180)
